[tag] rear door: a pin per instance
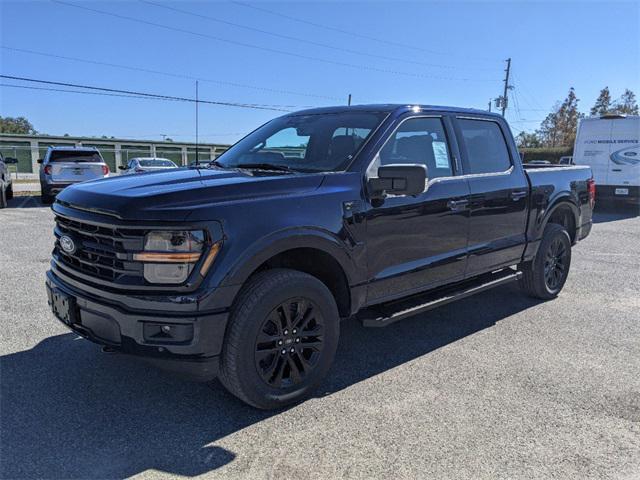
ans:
(75, 166)
(624, 155)
(416, 243)
(592, 147)
(499, 194)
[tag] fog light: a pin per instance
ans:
(162, 333)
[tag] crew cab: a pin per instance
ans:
(244, 269)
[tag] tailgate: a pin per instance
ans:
(75, 171)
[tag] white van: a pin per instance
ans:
(610, 145)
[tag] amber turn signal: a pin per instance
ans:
(162, 257)
(211, 256)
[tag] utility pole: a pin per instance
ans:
(349, 100)
(506, 86)
(197, 159)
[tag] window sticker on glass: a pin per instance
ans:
(440, 153)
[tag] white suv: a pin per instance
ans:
(64, 166)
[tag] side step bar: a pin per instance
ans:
(386, 314)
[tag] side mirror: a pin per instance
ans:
(400, 179)
(121, 167)
(39, 160)
(9, 160)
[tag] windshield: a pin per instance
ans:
(74, 156)
(157, 162)
(306, 143)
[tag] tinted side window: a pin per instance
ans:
(418, 140)
(486, 147)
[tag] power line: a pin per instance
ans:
(49, 89)
(141, 94)
(351, 32)
(268, 49)
(148, 97)
(173, 74)
(309, 42)
(516, 103)
(534, 102)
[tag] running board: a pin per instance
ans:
(386, 314)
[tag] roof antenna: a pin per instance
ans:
(197, 159)
(349, 100)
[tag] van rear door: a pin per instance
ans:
(592, 147)
(624, 154)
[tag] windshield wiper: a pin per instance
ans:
(217, 164)
(265, 166)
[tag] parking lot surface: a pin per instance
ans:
(494, 386)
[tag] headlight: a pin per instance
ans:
(170, 256)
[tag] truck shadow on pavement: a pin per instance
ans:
(68, 411)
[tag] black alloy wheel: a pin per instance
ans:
(545, 276)
(555, 264)
(281, 338)
(289, 343)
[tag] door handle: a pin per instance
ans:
(457, 204)
(518, 195)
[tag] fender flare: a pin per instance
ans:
(536, 230)
(561, 200)
(289, 239)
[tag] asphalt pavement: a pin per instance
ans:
(495, 386)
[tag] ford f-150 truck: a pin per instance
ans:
(244, 269)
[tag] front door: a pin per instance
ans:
(416, 243)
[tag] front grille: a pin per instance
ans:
(101, 251)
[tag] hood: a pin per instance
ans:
(175, 194)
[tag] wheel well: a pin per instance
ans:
(320, 265)
(564, 216)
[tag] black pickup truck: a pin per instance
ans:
(244, 269)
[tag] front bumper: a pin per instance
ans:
(189, 344)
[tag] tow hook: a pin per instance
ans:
(108, 349)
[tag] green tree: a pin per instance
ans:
(560, 127)
(17, 125)
(626, 104)
(548, 132)
(603, 103)
(528, 140)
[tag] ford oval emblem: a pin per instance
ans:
(67, 244)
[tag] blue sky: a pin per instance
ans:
(448, 53)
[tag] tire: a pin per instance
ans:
(545, 276)
(46, 199)
(286, 365)
(10, 192)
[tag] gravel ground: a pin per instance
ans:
(495, 386)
